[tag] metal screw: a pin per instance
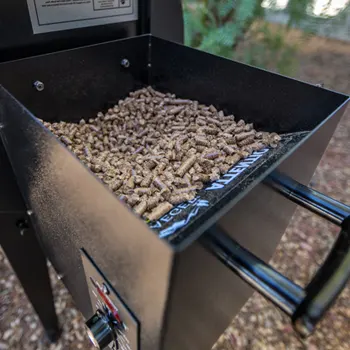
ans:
(321, 85)
(105, 288)
(60, 276)
(39, 85)
(125, 63)
(30, 212)
(22, 225)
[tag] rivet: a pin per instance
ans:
(125, 63)
(39, 85)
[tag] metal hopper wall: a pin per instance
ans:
(72, 210)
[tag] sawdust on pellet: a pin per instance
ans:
(154, 150)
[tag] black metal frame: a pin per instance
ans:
(306, 306)
(23, 250)
(122, 245)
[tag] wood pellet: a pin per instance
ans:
(154, 150)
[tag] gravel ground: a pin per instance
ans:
(302, 249)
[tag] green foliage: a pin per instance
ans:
(217, 25)
(236, 29)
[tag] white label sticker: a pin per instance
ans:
(54, 15)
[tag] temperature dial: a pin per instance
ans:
(100, 330)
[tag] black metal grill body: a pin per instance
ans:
(160, 17)
(182, 296)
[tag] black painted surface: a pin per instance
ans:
(73, 210)
(29, 263)
(159, 17)
(79, 82)
(10, 198)
(17, 39)
(77, 211)
(271, 101)
(95, 280)
(203, 288)
(23, 249)
(183, 224)
(167, 20)
(334, 273)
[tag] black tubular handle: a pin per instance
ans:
(305, 306)
(333, 275)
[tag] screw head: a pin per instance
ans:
(39, 85)
(30, 212)
(105, 288)
(125, 63)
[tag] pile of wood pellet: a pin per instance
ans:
(154, 150)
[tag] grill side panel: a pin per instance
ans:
(271, 101)
(73, 210)
(206, 295)
(79, 82)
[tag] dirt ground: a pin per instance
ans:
(259, 325)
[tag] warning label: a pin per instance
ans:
(54, 15)
(106, 4)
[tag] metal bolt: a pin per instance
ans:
(39, 85)
(30, 212)
(60, 276)
(125, 63)
(105, 288)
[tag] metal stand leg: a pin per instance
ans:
(29, 263)
(23, 250)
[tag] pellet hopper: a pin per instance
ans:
(175, 282)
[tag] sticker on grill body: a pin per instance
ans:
(54, 15)
(181, 215)
(108, 304)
